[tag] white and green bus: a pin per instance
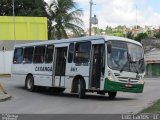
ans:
(100, 64)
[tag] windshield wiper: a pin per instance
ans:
(122, 69)
(141, 60)
(130, 62)
(141, 64)
(137, 71)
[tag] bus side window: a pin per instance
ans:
(39, 54)
(28, 55)
(71, 53)
(49, 54)
(82, 52)
(18, 56)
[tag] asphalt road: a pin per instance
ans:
(46, 102)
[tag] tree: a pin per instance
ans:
(137, 27)
(120, 28)
(141, 36)
(108, 30)
(157, 33)
(96, 30)
(23, 8)
(130, 35)
(64, 16)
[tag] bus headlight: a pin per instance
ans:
(110, 76)
(141, 82)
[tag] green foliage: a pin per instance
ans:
(98, 31)
(23, 8)
(157, 34)
(130, 35)
(119, 34)
(155, 108)
(66, 17)
(108, 30)
(150, 33)
(141, 36)
(63, 13)
(117, 31)
(120, 28)
(137, 27)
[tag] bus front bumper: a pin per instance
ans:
(123, 87)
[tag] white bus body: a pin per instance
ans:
(81, 65)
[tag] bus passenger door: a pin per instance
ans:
(60, 66)
(97, 65)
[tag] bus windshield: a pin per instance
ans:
(126, 56)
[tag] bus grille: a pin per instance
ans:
(128, 88)
(125, 79)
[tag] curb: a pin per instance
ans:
(5, 97)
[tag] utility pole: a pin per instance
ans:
(14, 24)
(136, 18)
(90, 24)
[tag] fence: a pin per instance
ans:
(5, 62)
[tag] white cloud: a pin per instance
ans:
(120, 12)
(123, 12)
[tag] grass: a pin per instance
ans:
(155, 108)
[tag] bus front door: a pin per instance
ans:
(97, 66)
(59, 66)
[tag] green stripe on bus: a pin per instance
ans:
(117, 86)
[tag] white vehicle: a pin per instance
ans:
(101, 64)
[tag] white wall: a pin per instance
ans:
(5, 62)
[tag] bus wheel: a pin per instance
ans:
(81, 89)
(30, 83)
(112, 94)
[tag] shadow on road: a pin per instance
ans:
(74, 95)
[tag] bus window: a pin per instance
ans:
(82, 52)
(39, 54)
(49, 54)
(70, 53)
(18, 56)
(28, 55)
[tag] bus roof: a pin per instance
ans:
(106, 38)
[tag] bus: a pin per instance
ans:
(97, 64)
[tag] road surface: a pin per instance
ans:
(46, 102)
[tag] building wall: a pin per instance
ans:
(5, 62)
(153, 70)
(153, 55)
(152, 59)
(26, 28)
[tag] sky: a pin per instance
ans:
(121, 12)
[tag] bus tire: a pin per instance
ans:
(81, 89)
(29, 84)
(112, 94)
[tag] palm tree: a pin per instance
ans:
(64, 16)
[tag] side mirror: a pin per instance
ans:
(109, 47)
